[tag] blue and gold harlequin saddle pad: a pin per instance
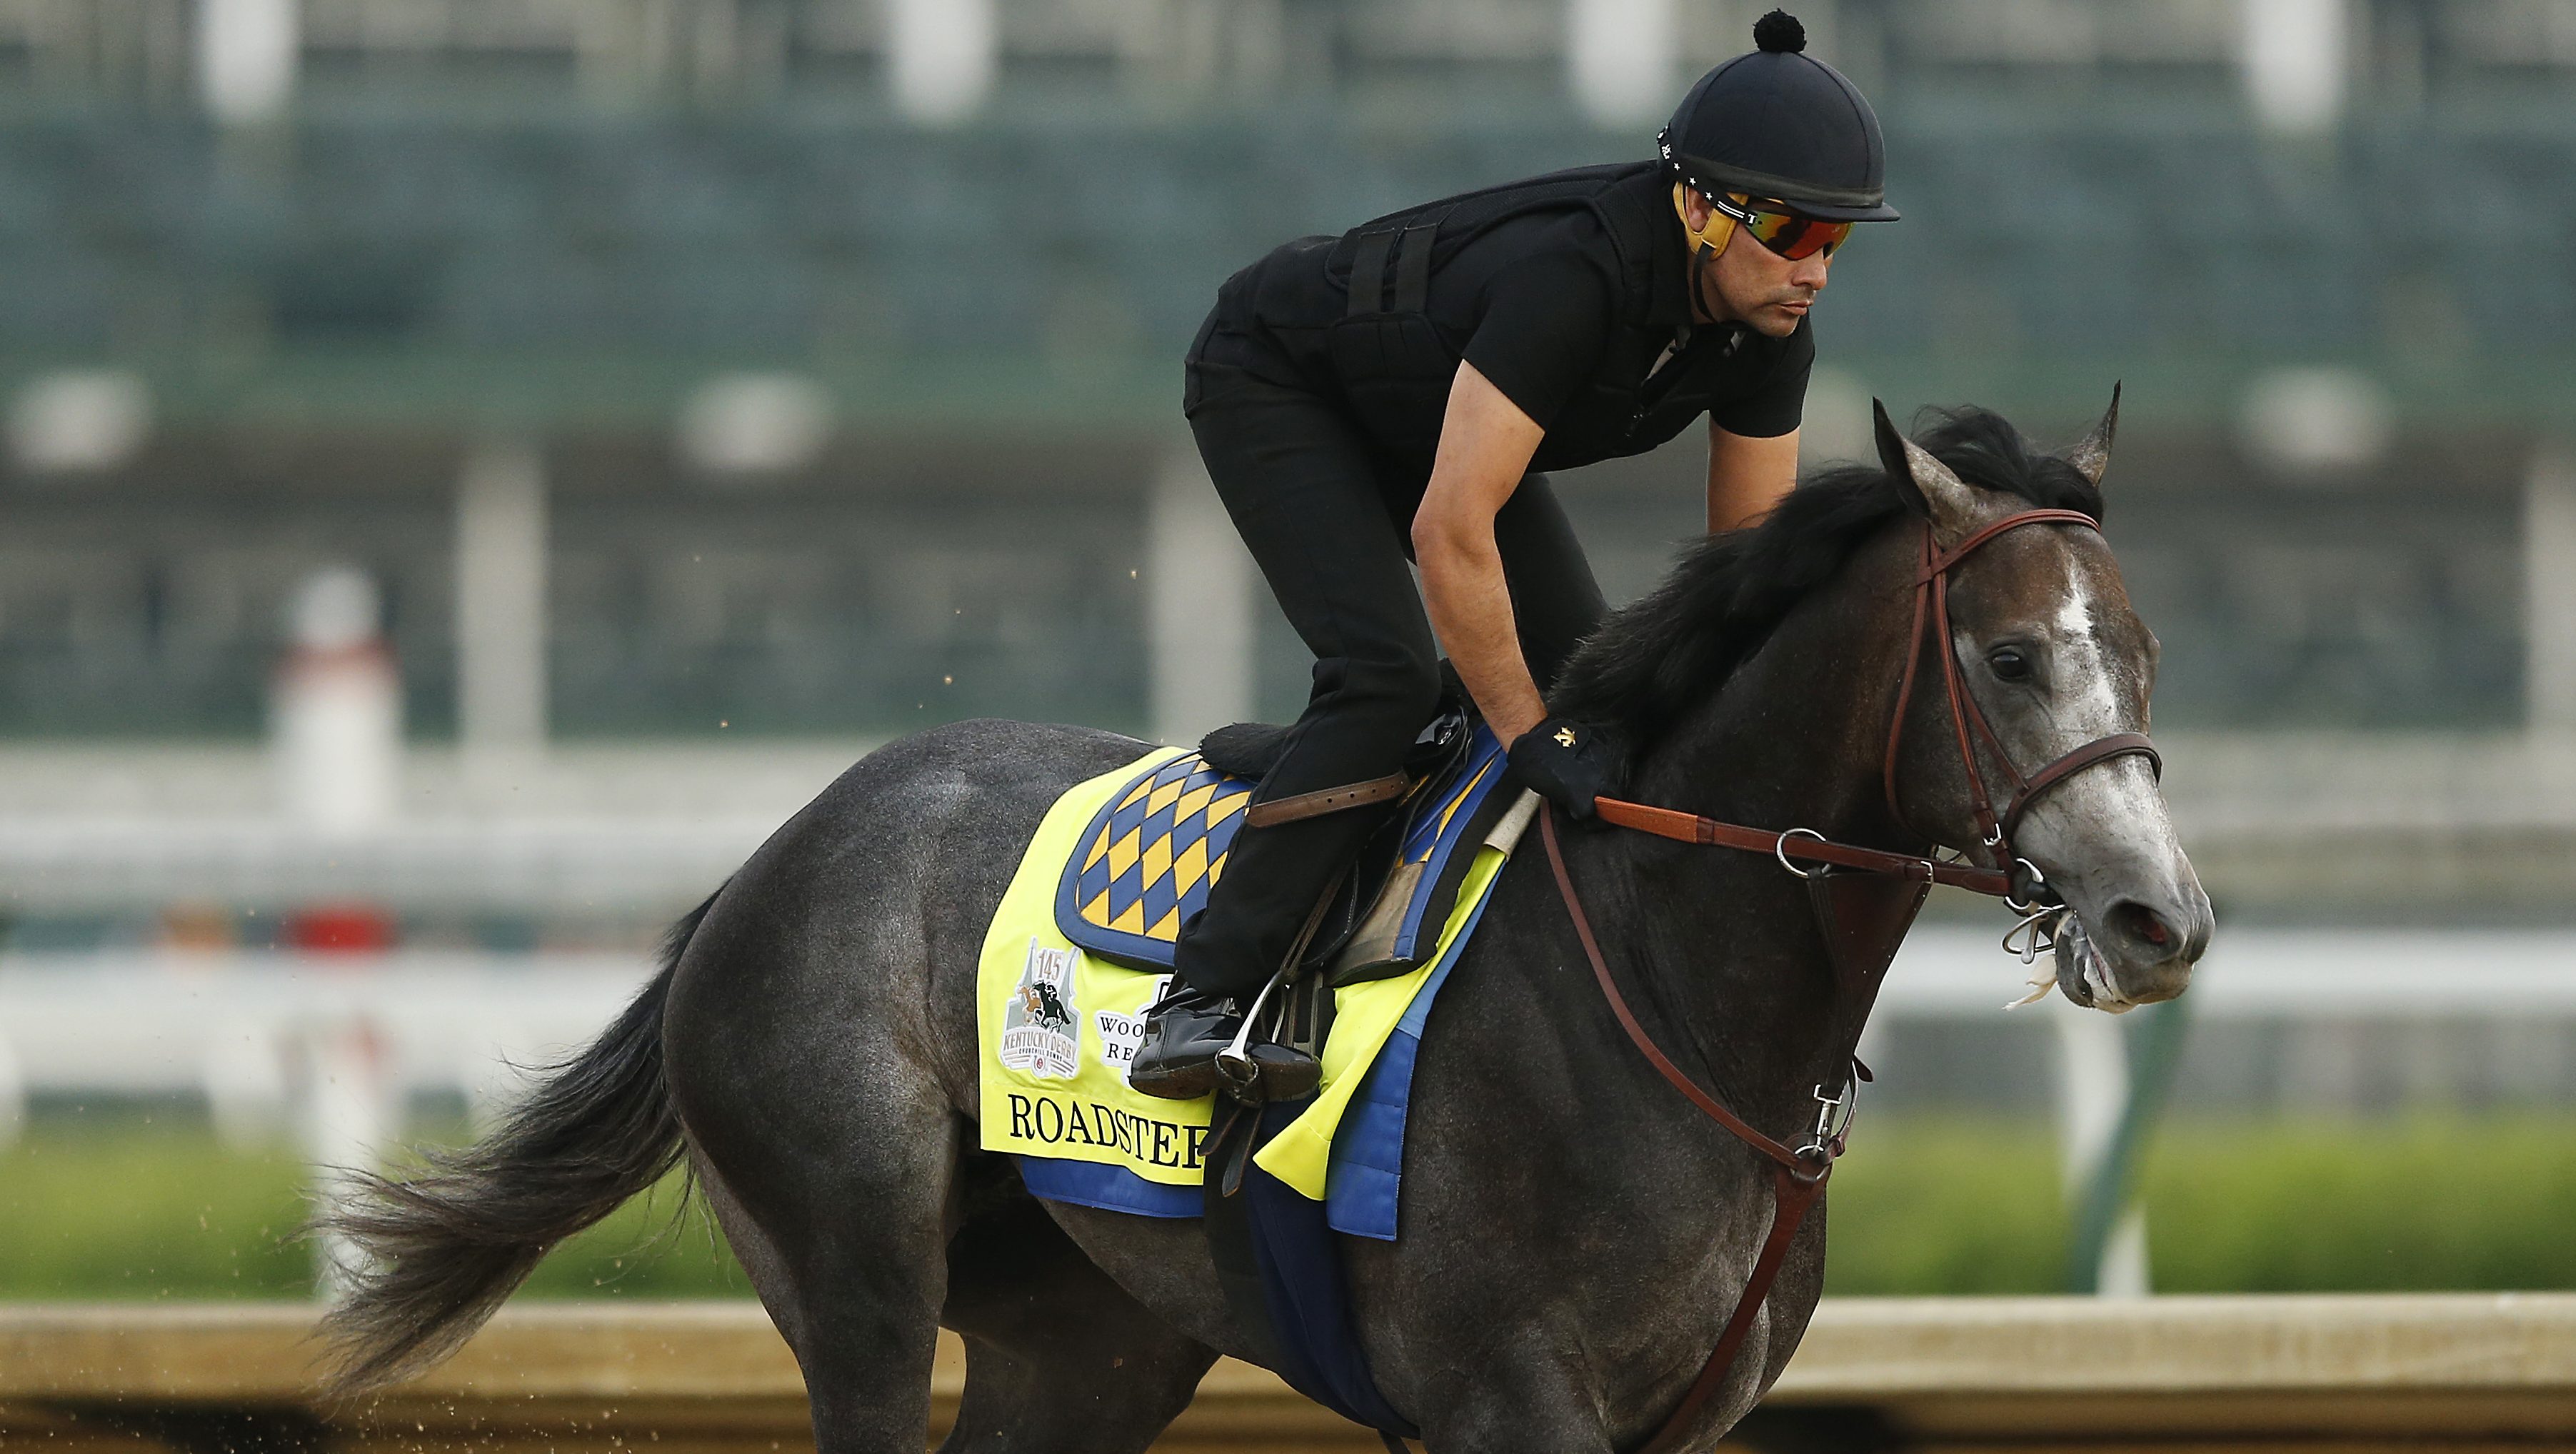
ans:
(1145, 863)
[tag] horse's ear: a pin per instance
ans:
(1927, 484)
(2091, 455)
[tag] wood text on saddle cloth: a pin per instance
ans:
(1060, 1121)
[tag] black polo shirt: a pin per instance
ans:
(1600, 355)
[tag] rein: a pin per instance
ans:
(1862, 924)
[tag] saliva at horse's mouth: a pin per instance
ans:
(2086, 978)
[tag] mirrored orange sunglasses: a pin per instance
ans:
(1786, 233)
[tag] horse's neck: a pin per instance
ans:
(1794, 741)
(1726, 940)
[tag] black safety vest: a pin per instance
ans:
(1392, 363)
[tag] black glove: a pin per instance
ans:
(1565, 762)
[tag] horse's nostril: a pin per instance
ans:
(2142, 922)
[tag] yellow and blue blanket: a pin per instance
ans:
(1081, 944)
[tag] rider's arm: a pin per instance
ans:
(1747, 476)
(1753, 438)
(1485, 447)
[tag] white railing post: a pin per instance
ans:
(2092, 1099)
(246, 1083)
(13, 1093)
(2549, 590)
(247, 51)
(501, 604)
(348, 1118)
(941, 54)
(1198, 607)
(1619, 62)
(336, 711)
(2294, 57)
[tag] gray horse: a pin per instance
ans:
(1574, 1233)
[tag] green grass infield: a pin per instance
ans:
(142, 1208)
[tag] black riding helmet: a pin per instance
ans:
(1776, 122)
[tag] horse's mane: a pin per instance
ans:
(1649, 661)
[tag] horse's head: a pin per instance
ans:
(2050, 653)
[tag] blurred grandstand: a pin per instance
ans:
(705, 389)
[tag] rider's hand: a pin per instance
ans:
(1565, 762)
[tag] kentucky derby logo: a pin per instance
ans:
(1037, 1024)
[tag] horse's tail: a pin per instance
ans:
(440, 1250)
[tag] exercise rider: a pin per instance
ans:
(1396, 393)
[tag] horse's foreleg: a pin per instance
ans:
(1527, 1395)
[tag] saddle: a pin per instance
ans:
(1145, 864)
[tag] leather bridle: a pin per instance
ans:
(1862, 922)
(1932, 606)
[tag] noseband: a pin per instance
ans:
(1862, 920)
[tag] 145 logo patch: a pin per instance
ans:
(1038, 1024)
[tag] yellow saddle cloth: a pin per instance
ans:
(1058, 1025)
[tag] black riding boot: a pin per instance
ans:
(1182, 1055)
(1183, 1032)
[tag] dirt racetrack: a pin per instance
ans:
(2421, 1373)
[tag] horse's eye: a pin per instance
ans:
(2009, 663)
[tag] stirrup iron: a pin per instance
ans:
(1259, 1073)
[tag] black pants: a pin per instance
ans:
(1331, 531)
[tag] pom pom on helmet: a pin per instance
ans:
(1779, 31)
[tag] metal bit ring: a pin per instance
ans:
(1780, 851)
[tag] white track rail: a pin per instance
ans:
(174, 1022)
